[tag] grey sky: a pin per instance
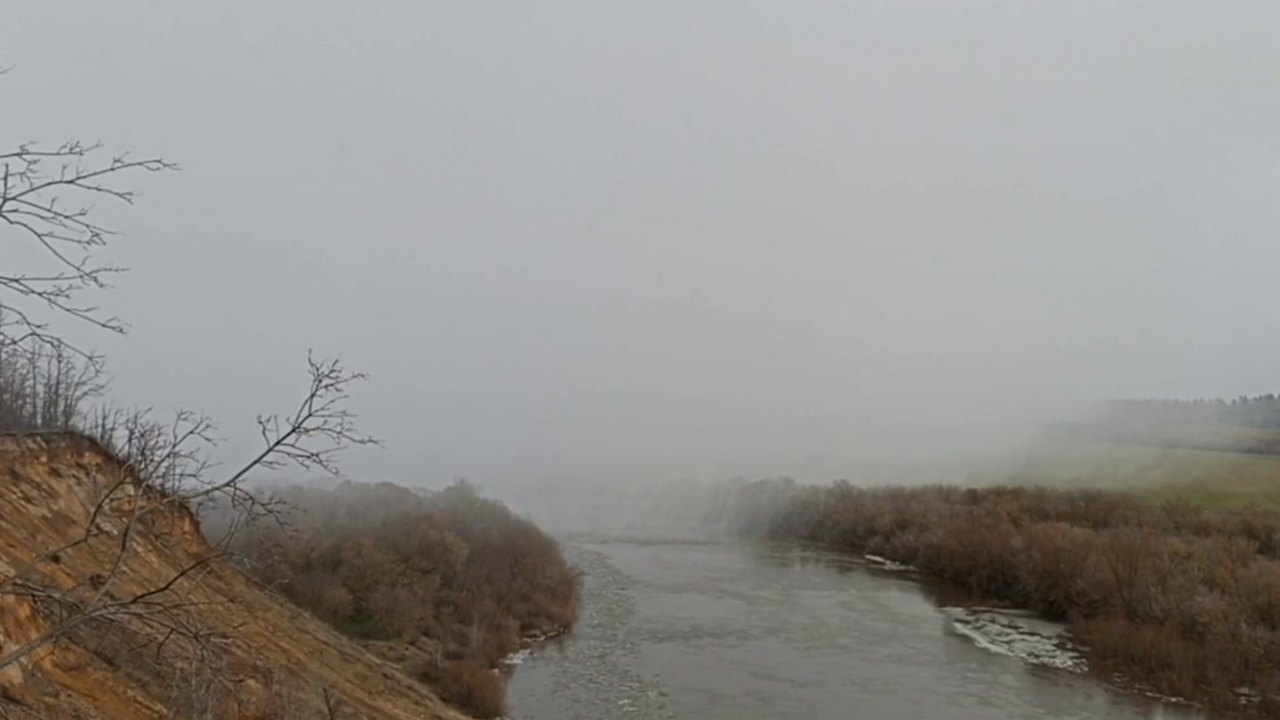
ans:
(609, 239)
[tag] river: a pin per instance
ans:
(684, 624)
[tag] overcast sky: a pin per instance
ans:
(669, 239)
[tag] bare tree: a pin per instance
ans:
(50, 238)
(166, 467)
(45, 210)
(44, 387)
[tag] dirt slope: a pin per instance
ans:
(258, 656)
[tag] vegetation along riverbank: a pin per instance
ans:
(1174, 598)
(446, 584)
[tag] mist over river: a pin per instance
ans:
(684, 623)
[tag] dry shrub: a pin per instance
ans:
(1060, 574)
(451, 570)
(476, 690)
(1152, 655)
(976, 552)
(1258, 585)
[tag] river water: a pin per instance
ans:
(682, 624)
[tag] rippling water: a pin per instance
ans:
(680, 626)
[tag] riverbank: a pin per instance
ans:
(448, 585)
(1179, 600)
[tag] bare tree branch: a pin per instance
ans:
(165, 466)
(37, 187)
(48, 221)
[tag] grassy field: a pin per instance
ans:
(1209, 478)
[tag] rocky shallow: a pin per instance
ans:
(1017, 634)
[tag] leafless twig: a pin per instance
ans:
(45, 195)
(165, 465)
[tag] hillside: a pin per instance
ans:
(1215, 479)
(1240, 425)
(213, 644)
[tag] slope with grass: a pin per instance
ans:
(1213, 479)
(250, 654)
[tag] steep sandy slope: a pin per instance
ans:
(240, 651)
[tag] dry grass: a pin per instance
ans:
(1213, 479)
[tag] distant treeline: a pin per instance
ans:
(1176, 599)
(444, 583)
(1243, 424)
(1262, 411)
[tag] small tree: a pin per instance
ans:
(50, 238)
(167, 468)
(44, 387)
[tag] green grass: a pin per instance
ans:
(1209, 478)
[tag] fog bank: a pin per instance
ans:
(661, 240)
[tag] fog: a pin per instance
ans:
(657, 240)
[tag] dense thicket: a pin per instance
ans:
(1178, 599)
(449, 581)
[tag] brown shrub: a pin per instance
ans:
(1059, 572)
(451, 570)
(1156, 656)
(976, 552)
(1258, 588)
(476, 690)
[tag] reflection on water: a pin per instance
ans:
(800, 555)
(687, 626)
